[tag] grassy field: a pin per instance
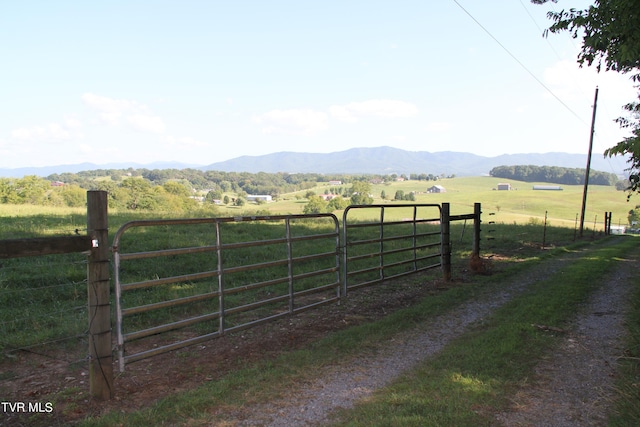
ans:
(521, 205)
(58, 283)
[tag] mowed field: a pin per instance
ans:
(521, 205)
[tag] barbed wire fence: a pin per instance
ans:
(43, 308)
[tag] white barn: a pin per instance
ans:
(262, 197)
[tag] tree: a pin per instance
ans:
(139, 193)
(74, 196)
(610, 31)
(337, 204)
(316, 205)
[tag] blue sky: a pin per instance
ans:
(205, 81)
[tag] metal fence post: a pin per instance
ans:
(98, 288)
(477, 212)
(445, 224)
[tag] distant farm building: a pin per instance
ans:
(437, 189)
(503, 186)
(335, 182)
(259, 197)
(547, 187)
(618, 229)
(57, 184)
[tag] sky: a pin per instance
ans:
(203, 81)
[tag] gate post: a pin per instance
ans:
(477, 212)
(98, 288)
(445, 244)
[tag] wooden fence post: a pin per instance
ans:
(477, 212)
(445, 223)
(98, 285)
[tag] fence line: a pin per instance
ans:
(289, 288)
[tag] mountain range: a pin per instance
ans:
(377, 160)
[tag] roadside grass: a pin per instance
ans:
(627, 409)
(460, 375)
(472, 378)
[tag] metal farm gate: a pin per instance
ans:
(387, 241)
(238, 272)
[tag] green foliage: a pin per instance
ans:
(634, 215)
(30, 189)
(74, 196)
(315, 205)
(337, 204)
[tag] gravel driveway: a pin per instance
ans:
(572, 386)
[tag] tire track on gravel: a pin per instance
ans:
(574, 385)
(340, 386)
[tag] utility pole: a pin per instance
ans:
(586, 175)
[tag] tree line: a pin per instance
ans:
(181, 190)
(553, 174)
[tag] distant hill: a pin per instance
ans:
(386, 160)
(378, 160)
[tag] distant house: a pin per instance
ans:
(335, 182)
(57, 184)
(437, 189)
(261, 197)
(503, 186)
(547, 187)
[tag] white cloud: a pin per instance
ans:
(570, 82)
(385, 108)
(51, 132)
(115, 112)
(294, 122)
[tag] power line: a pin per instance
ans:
(519, 62)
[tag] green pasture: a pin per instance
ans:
(521, 205)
